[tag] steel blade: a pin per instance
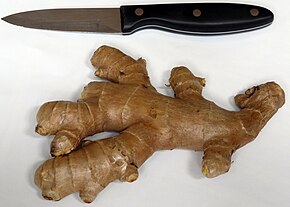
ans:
(104, 20)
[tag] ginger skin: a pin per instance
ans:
(147, 122)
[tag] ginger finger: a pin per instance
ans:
(89, 193)
(185, 84)
(116, 66)
(217, 158)
(64, 142)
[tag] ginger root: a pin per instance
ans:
(147, 122)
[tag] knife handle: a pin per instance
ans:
(195, 18)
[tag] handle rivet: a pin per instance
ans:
(139, 12)
(254, 12)
(196, 12)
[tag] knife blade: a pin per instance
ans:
(186, 18)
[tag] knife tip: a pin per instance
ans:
(11, 19)
(5, 19)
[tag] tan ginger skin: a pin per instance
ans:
(147, 121)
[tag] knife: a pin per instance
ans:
(186, 18)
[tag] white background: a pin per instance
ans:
(38, 66)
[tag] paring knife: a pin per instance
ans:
(188, 18)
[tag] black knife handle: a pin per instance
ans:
(195, 18)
